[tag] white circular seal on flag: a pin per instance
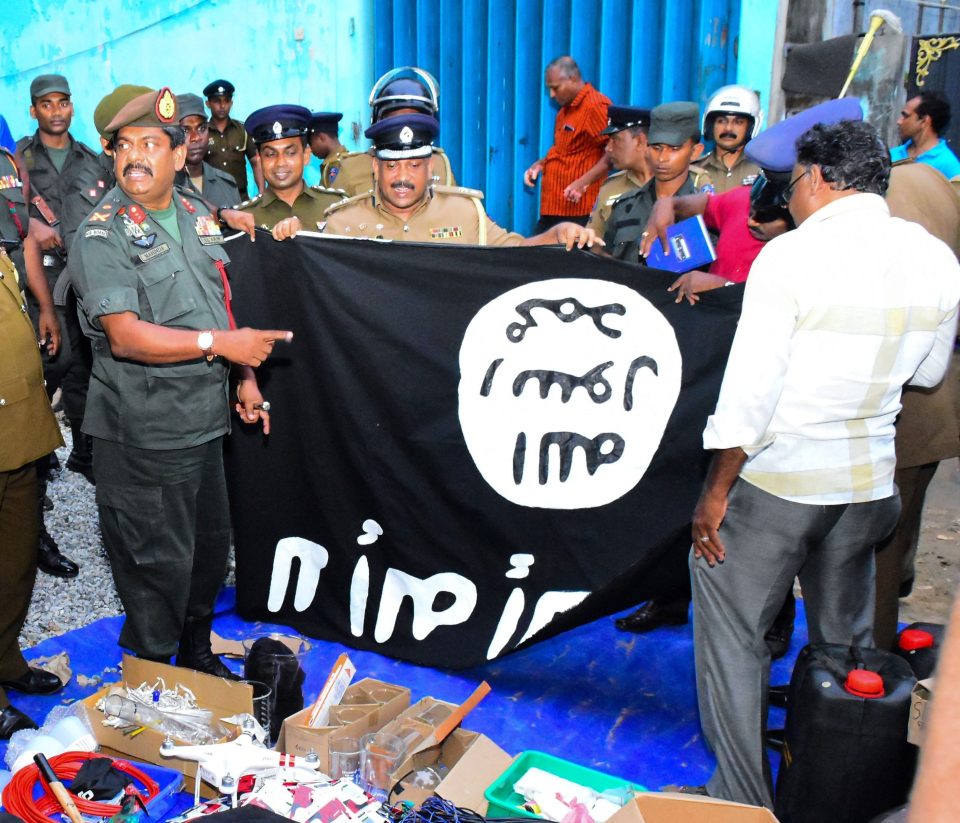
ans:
(566, 387)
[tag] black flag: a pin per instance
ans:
(470, 446)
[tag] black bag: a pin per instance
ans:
(845, 755)
(919, 644)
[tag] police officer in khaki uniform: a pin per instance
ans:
(323, 132)
(288, 205)
(674, 143)
(404, 90)
(28, 431)
(405, 206)
(732, 118)
(229, 147)
(216, 187)
(150, 274)
(627, 150)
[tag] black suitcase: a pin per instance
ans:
(845, 756)
(919, 644)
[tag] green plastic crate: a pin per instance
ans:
(505, 802)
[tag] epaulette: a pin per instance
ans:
(615, 175)
(85, 148)
(325, 190)
(902, 161)
(227, 178)
(101, 218)
(251, 202)
(183, 191)
(357, 198)
(463, 191)
(349, 154)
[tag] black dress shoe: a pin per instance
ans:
(779, 696)
(653, 614)
(51, 561)
(35, 681)
(13, 720)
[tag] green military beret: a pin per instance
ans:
(674, 123)
(152, 109)
(107, 108)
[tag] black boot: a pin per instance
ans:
(49, 558)
(81, 456)
(195, 652)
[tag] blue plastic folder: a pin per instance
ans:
(690, 247)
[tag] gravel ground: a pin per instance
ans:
(61, 605)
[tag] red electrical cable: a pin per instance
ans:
(18, 793)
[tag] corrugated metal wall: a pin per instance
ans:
(489, 56)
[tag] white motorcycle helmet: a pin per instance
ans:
(736, 100)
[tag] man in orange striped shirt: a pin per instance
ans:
(577, 145)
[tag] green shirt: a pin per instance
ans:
(168, 219)
(268, 209)
(58, 157)
(121, 265)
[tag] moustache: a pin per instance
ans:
(136, 167)
(406, 184)
(729, 134)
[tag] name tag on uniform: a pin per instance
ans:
(147, 256)
(449, 231)
(208, 230)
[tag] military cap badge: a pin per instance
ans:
(166, 106)
(406, 135)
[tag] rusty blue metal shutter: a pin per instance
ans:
(489, 56)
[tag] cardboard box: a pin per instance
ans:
(367, 706)
(919, 711)
(657, 807)
(223, 697)
(473, 761)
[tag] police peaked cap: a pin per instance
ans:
(404, 136)
(775, 150)
(277, 122)
(325, 122)
(625, 117)
(219, 88)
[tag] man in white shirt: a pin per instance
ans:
(837, 316)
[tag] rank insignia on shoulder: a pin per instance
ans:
(191, 209)
(448, 231)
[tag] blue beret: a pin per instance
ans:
(403, 136)
(325, 121)
(775, 149)
(219, 88)
(277, 122)
(625, 117)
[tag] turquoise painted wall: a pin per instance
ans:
(312, 52)
(325, 54)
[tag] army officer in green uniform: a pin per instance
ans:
(216, 187)
(288, 205)
(150, 275)
(405, 206)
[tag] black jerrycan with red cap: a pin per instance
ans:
(845, 756)
(919, 644)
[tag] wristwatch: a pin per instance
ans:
(205, 342)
